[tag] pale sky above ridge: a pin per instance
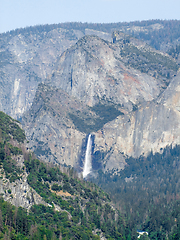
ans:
(22, 13)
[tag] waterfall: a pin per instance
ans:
(87, 163)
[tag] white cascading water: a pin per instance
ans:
(87, 163)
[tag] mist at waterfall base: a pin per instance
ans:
(88, 160)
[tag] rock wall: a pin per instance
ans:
(90, 71)
(152, 127)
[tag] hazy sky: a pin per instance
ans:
(21, 13)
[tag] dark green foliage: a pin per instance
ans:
(14, 222)
(146, 191)
(67, 187)
(174, 51)
(5, 56)
(149, 62)
(56, 187)
(83, 195)
(41, 223)
(9, 165)
(104, 113)
(9, 191)
(9, 127)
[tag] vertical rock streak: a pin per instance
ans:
(87, 163)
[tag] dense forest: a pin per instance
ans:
(147, 192)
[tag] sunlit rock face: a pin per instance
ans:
(26, 60)
(90, 71)
(150, 128)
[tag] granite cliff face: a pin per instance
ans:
(64, 84)
(152, 127)
(26, 60)
(90, 86)
(51, 132)
(91, 71)
(92, 89)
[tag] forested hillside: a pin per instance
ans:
(70, 208)
(75, 210)
(147, 192)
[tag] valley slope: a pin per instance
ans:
(49, 202)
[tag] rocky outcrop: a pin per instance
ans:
(27, 59)
(19, 193)
(103, 35)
